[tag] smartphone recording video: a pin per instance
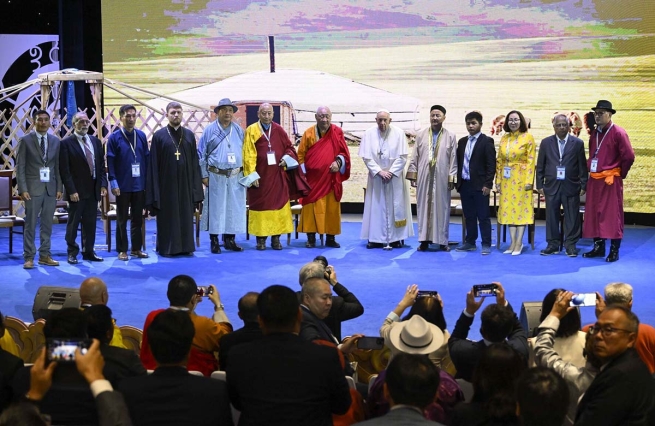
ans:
(484, 290)
(584, 299)
(370, 343)
(204, 291)
(427, 293)
(63, 350)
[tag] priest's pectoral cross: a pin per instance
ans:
(177, 155)
(380, 153)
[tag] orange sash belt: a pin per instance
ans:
(608, 175)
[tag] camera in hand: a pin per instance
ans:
(63, 350)
(485, 290)
(427, 293)
(204, 291)
(370, 343)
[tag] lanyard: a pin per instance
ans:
(598, 145)
(268, 137)
(508, 146)
(128, 142)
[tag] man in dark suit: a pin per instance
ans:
(562, 179)
(82, 168)
(248, 313)
(499, 323)
(410, 385)
(476, 167)
(170, 395)
(345, 305)
(281, 379)
(119, 362)
(39, 186)
(623, 393)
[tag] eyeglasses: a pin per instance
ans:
(599, 113)
(606, 331)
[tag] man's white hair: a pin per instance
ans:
(618, 293)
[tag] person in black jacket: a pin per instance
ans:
(499, 324)
(9, 365)
(476, 168)
(345, 305)
(250, 331)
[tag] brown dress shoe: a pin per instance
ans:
(122, 256)
(139, 254)
(48, 261)
(29, 264)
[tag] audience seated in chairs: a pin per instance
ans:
(110, 405)
(248, 313)
(410, 387)
(417, 336)
(119, 362)
(170, 395)
(182, 295)
(499, 323)
(345, 305)
(577, 378)
(93, 291)
(281, 379)
(69, 401)
(569, 339)
(494, 381)
(542, 398)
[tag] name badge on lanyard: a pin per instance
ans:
(136, 170)
(594, 165)
(561, 173)
(507, 172)
(44, 174)
(231, 158)
(270, 155)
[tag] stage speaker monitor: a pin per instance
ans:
(51, 299)
(530, 314)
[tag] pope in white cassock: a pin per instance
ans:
(387, 210)
(433, 170)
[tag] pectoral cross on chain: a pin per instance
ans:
(177, 155)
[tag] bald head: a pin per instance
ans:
(93, 291)
(248, 307)
(323, 118)
(265, 113)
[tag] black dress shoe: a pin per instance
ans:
(371, 245)
(551, 250)
(332, 243)
(396, 244)
(92, 257)
(444, 247)
(572, 252)
(424, 246)
(72, 260)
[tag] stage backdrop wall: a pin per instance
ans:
(537, 56)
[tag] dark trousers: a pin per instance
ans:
(572, 224)
(85, 212)
(129, 205)
(475, 208)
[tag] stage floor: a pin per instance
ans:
(377, 277)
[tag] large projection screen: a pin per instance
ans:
(540, 57)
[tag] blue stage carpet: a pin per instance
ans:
(377, 277)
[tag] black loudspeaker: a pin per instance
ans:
(530, 314)
(50, 299)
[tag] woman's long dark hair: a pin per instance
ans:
(570, 324)
(429, 308)
(494, 380)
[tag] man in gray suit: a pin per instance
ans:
(39, 186)
(411, 385)
(562, 178)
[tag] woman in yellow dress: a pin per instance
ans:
(515, 166)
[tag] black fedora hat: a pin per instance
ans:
(606, 105)
(225, 102)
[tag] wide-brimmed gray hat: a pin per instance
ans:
(416, 336)
(225, 102)
(606, 105)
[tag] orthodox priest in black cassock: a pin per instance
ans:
(174, 186)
